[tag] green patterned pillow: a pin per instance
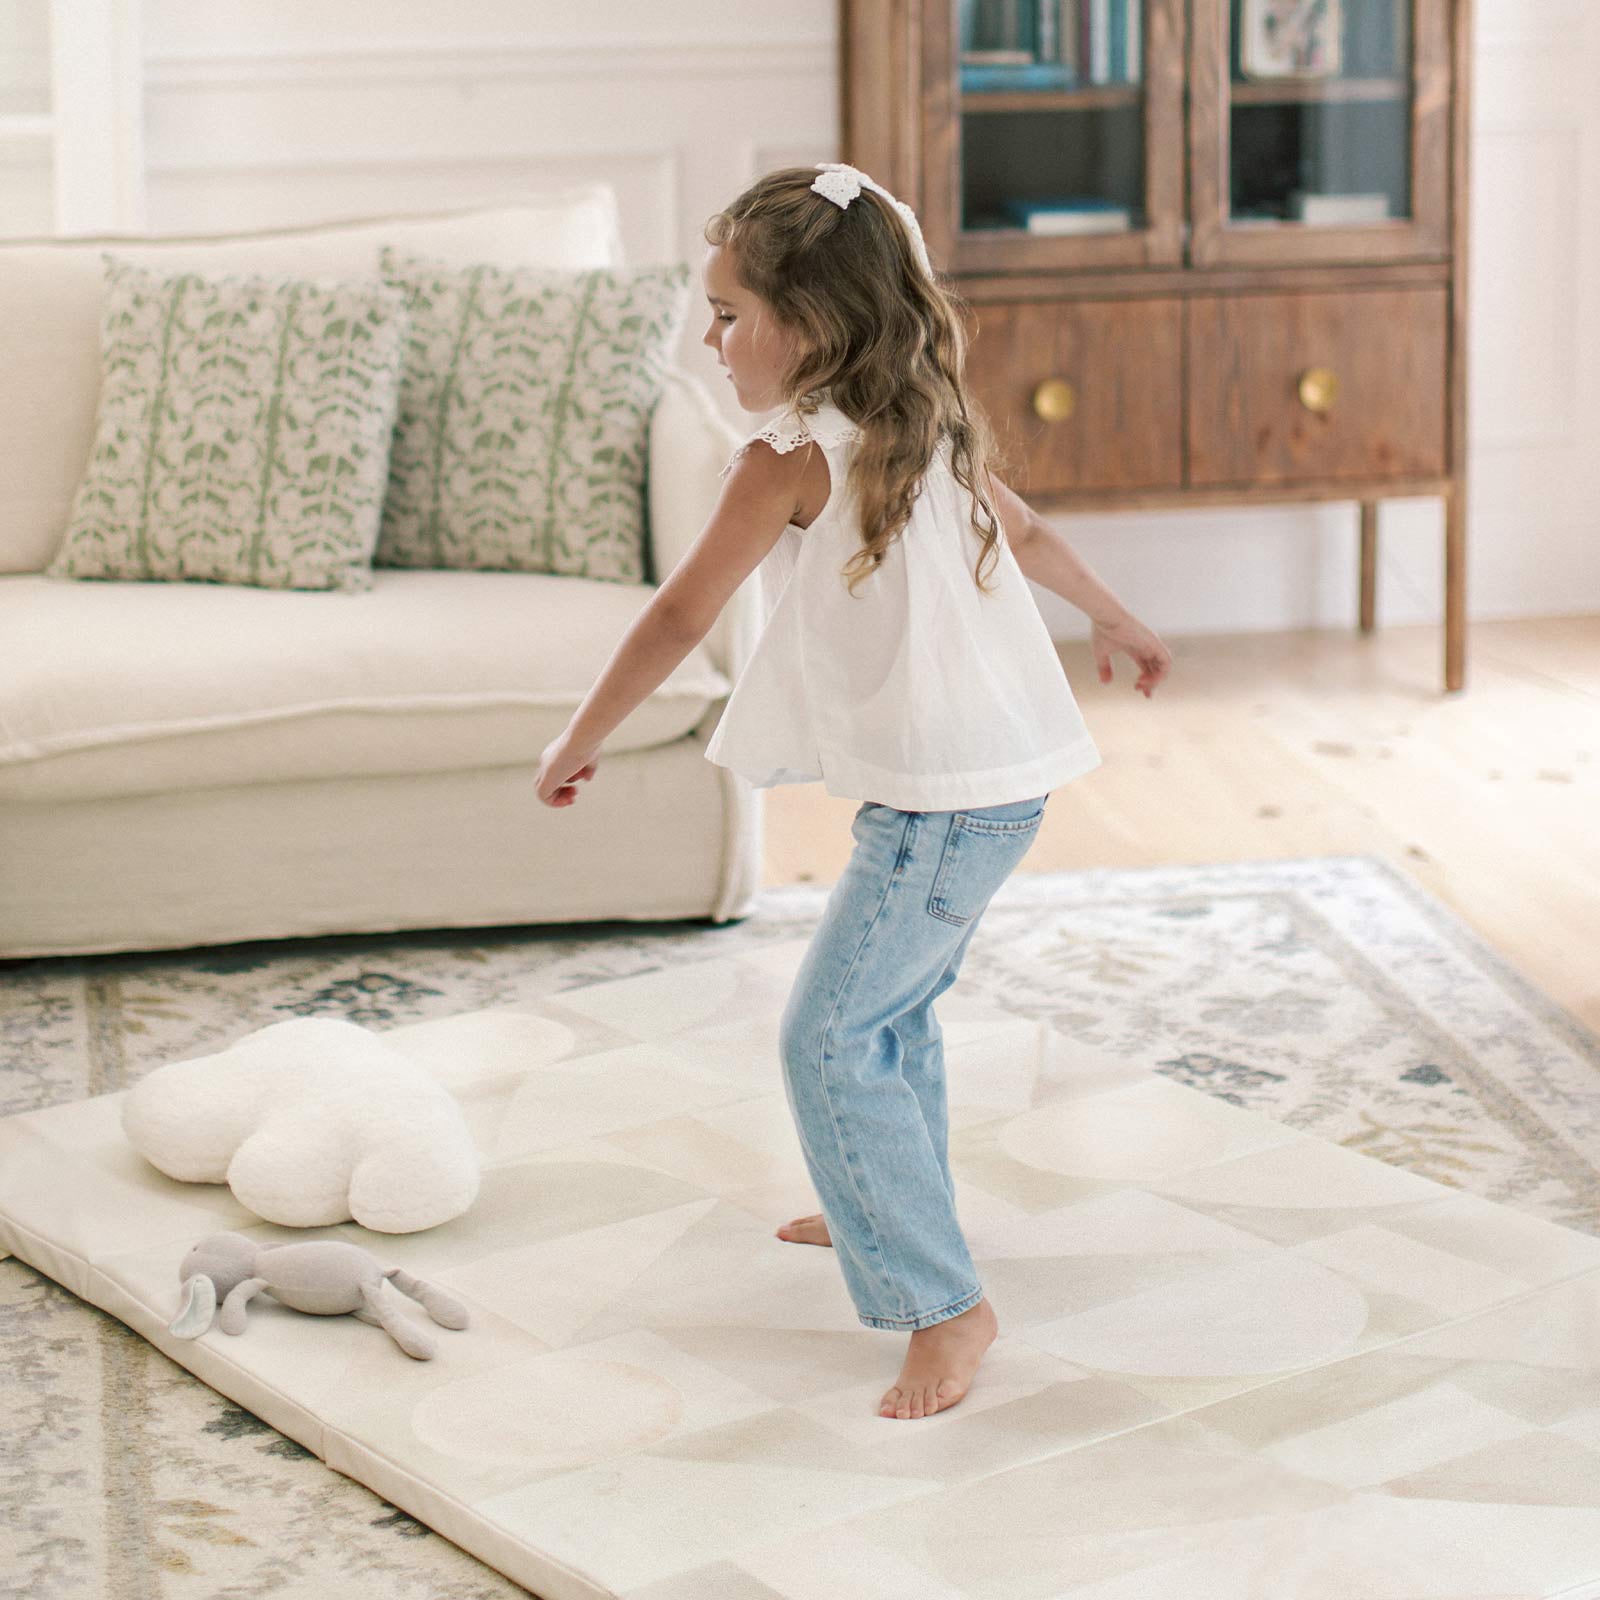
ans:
(243, 433)
(525, 404)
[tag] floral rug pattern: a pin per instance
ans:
(1330, 994)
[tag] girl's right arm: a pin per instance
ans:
(760, 494)
(1045, 557)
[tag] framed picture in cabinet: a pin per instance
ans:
(1290, 38)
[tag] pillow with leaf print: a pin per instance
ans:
(243, 430)
(525, 401)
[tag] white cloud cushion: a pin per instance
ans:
(141, 688)
(310, 1122)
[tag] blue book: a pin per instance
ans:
(1033, 75)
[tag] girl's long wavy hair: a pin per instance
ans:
(886, 340)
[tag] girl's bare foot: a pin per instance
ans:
(806, 1230)
(941, 1363)
(942, 1360)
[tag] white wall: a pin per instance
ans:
(313, 108)
(27, 171)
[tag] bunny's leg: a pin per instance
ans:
(231, 1317)
(447, 1311)
(399, 1327)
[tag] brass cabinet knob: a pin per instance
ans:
(1055, 399)
(1319, 389)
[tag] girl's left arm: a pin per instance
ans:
(756, 503)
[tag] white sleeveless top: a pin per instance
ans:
(920, 692)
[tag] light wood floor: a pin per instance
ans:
(1328, 743)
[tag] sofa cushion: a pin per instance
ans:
(244, 430)
(51, 294)
(525, 402)
(139, 688)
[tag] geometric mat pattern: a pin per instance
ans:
(1234, 1360)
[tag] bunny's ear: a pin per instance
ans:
(199, 1306)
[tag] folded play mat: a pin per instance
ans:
(1233, 1360)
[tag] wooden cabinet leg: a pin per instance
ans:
(1369, 564)
(1455, 587)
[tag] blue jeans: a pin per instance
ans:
(863, 1057)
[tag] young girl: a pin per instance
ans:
(902, 663)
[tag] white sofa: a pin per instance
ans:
(189, 764)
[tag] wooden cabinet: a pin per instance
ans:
(1211, 250)
(1111, 363)
(1316, 388)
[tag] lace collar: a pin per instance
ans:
(828, 425)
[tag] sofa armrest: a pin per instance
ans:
(690, 443)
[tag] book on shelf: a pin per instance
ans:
(1026, 28)
(1335, 209)
(1066, 31)
(1046, 34)
(1034, 75)
(1069, 214)
(1050, 28)
(1108, 39)
(1051, 43)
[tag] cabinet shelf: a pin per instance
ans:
(1097, 97)
(1319, 91)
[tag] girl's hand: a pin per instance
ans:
(559, 767)
(1138, 643)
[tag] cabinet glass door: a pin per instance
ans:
(1319, 129)
(1066, 117)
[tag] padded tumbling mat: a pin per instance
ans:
(1234, 1361)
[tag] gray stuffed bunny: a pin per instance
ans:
(325, 1276)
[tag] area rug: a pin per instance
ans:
(1315, 1004)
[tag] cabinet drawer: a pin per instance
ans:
(1306, 388)
(1121, 358)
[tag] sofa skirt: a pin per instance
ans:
(658, 834)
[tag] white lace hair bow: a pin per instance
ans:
(841, 183)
